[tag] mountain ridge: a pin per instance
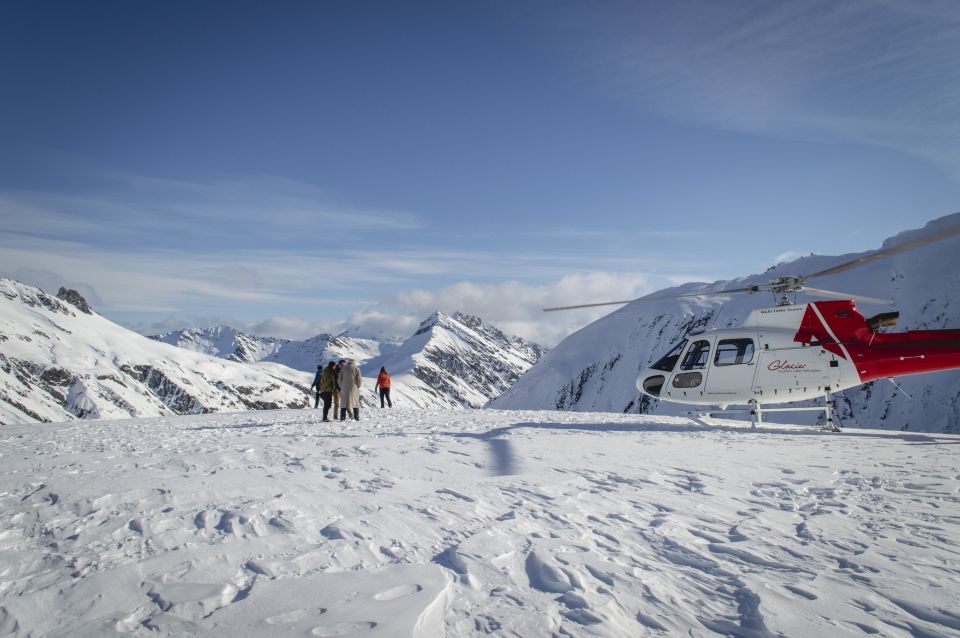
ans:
(230, 343)
(60, 363)
(455, 361)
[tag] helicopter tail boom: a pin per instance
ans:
(837, 327)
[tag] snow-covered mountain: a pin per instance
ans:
(223, 341)
(457, 361)
(306, 355)
(595, 368)
(388, 341)
(60, 360)
(229, 343)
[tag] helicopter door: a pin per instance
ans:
(688, 382)
(732, 370)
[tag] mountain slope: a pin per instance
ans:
(595, 368)
(223, 341)
(308, 354)
(456, 361)
(229, 343)
(61, 361)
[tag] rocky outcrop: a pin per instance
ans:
(75, 299)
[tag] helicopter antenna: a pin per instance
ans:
(897, 386)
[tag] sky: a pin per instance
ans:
(298, 167)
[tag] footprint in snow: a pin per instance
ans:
(293, 616)
(400, 591)
(343, 629)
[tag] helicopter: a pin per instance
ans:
(795, 352)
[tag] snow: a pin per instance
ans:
(471, 522)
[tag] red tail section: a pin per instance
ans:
(837, 327)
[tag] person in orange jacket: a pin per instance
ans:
(383, 384)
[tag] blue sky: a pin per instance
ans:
(295, 167)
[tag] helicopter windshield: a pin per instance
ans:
(668, 362)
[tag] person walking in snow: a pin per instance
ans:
(326, 388)
(350, 384)
(383, 384)
(336, 391)
(316, 385)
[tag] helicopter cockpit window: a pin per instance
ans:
(732, 352)
(697, 355)
(667, 362)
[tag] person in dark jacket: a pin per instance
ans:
(328, 385)
(316, 385)
(336, 391)
(383, 384)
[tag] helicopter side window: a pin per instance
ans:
(732, 352)
(696, 357)
(667, 362)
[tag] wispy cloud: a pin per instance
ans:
(165, 212)
(517, 308)
(149, 262)
(787, 256)
(130, 279)
(878, 72)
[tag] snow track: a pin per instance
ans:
(464, 523)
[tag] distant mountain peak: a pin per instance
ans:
(455, 361)
(229, 343)
(431, 321)
(471, 321)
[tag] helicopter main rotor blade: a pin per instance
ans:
(844, 295)
(591, 305)
(880, 254)
(654, 298)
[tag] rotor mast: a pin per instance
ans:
(782, 286)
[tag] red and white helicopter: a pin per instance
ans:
(795, 352)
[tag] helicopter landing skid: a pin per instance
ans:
(756, 412)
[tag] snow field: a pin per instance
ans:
(462, 523)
